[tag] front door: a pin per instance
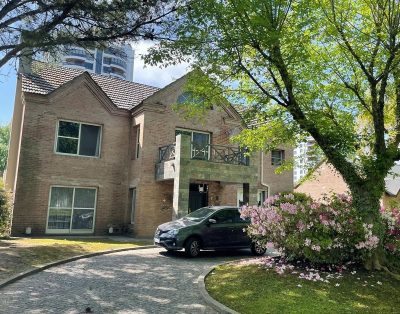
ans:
(198, 196)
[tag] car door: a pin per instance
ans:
(239, 232)
(220, 234)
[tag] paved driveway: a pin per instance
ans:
(141, 281)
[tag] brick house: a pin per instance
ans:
(88, 152)
(326, 180)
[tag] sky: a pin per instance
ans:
(150, 75)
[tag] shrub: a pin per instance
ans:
(320, 232)
(391, 218)
(5, 211)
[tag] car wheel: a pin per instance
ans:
(257, 249)
(192, 247)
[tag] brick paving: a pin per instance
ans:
(141, 281)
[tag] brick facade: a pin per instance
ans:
(117, 170)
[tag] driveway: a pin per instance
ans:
(141, 281)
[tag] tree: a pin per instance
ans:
(44, 25)
(4, 139)
(311, 66)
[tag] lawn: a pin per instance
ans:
(18, 255)
(255, 289)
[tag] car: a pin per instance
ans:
(209, 228)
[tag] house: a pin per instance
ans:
(89, 152)
(326, 180)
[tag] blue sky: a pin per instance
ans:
(151, 75)
(8, 80)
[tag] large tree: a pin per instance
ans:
(32, 26)
(4, 139)
(329, 68)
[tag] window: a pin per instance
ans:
(71, 210)
(262, 195)
(76, 138)
(200, 143)
(137, 154)
(225, 217)
(277, 157)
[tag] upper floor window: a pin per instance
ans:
(200, 143)
(277, 157)
(74, 138)
(137, 142)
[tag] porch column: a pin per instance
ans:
(246, 193)
(181, 181)
(253, 194)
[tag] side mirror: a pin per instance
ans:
(212, 221)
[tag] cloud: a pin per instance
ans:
(154, 75)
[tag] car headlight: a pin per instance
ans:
(170, 234)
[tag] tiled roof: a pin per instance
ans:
(46, 78)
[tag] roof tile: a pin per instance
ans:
(46, 78)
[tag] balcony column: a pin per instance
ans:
(182, 177)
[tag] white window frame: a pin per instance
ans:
(137, 152)
(79, 138)
(259, 191)
(70, 230)
(191, 139)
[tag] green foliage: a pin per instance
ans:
(325, 68)
(45, 25)
(5, 211)
(4, 140)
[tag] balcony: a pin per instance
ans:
(214, 153)
(202, 162)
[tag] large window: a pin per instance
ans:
(277, 157)
(74, 138)
(71, 210)
(200, 143)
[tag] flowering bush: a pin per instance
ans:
(321, 232)
(391, 218)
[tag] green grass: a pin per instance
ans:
(253, 289)
(18, 255)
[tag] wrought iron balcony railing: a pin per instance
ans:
(166, 152)
(214, 153)
(220, 153)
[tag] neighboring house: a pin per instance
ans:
(326, 180)
(88, 152)
(115, 61)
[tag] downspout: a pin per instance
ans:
(262, 173)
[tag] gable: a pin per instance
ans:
(81, 89)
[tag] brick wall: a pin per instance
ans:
(158, 121)
(40, 167)
(325, 180)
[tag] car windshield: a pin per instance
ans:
(200, 213)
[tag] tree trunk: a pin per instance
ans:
(366, 200)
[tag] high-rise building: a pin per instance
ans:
(305, 158)
(115, 61)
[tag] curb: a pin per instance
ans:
(219, 307)
(30, 272)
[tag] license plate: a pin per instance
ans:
(156, 240)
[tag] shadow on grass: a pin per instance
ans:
(251, 289)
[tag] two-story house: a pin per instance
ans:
(88, 152)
